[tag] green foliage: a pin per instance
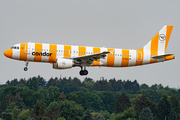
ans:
(38, 111)
(175, 103)
(53, 111)
(70, 110)
(46, 118)
(61, 97)
(61, 118)
(164, 109)
(87, 115)
(23, 115)
(122, 103)
(98, 96)
(105, 114)
(141, 102)
(33, 83)
(8, 112)
(129, 113)
(146, 114)
(15, 113)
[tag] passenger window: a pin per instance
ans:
(18, 48)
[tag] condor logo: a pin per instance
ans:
(41, 54)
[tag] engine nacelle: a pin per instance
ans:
(63, 63)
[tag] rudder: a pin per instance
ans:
(158, 44)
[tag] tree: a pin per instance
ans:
(61, 97)
(108, 99)
(19, 101)
(33, 83)
(53, 110)
(88, 80)
(61, 118)
(23, 115)
(175, 105)
(8, 112)
(71, 110)
(15, 113)
(87, 115)
(127, 114)
(144, 86)
(146, 114)
(22, 81)
(164, 109)
(141, 102)
(38, 111)
(122, 103)
(41, 81)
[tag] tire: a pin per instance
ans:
(25, 69)
(81, 72)
(85, 72)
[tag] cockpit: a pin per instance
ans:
(15, 47)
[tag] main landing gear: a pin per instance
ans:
(83, 72)
(26, 68)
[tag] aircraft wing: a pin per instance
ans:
(88, 59)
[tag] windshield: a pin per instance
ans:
(14, 47)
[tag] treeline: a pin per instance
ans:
(72, 99)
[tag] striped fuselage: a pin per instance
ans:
(49, 53)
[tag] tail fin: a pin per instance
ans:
(158, 44)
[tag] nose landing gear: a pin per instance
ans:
(26, 68)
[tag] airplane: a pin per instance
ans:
(68, 56)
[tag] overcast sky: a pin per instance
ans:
(128, 24)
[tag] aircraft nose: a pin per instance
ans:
(8, 53)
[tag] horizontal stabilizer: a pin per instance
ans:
(156, 57)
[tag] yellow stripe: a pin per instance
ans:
(96, 50)
(125, 58)
(82, 51)
(52, 53)
(67, 49)
(154, 47)
(23, 56)
(139, 56)
(38, 47)
(168, 34)
(110, 58)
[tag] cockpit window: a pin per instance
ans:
(14, 47)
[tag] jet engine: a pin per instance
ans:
(63, 63)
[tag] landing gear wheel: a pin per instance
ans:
(85, 72)
(81, 72)
(25, 69)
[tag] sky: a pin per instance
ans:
(125, 24)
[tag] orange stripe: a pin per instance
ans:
(96, 50)
(154, 47)
(23, 56)
(38, 47)
(170, 57)
(82, 51)
(67, 49)
(110, 58)
(168, 34)
(125, 58)
(139, 56)
(52, 53)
